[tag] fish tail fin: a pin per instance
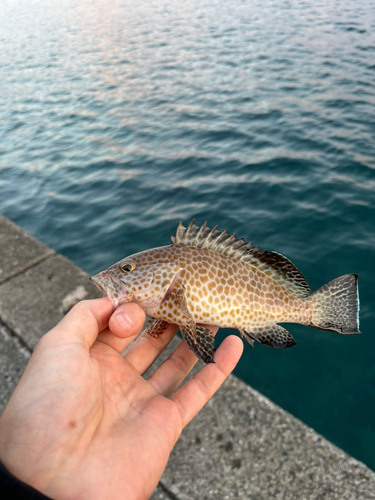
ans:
(335, 306)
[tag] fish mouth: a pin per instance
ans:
(99, 284)
(110, 287)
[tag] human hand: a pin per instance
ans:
(84, 424)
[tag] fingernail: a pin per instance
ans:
(124, 321)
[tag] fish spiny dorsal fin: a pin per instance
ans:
(179, 234)
(201, 232)
(273, 264)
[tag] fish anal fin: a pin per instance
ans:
(272, 264)
(274, 336)
(247, 336)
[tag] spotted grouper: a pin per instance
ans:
(207, 277)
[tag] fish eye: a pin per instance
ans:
(128, 267)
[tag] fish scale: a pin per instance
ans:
(207, 277)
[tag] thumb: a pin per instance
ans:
(83, 323)
(127, 320)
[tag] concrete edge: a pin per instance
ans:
(33, 263)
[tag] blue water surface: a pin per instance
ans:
(118, 119)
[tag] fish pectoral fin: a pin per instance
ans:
(274, 336)
(203, 346)
(164, 280)
(156, 327)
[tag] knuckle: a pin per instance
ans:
(180, 362)
(81, 306)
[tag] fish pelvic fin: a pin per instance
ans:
(203, 346)
(274, 336)
(156, 327)
(335, 306)
(199, 339)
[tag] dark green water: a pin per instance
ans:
(119, 119)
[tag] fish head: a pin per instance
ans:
(149, 284)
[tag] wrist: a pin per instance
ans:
(12, 487)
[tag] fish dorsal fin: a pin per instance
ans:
(273, 264)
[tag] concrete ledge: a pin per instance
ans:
(35, 300)
(241, 445)
(160, 494)
(18, 250)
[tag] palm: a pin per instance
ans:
(101, 428)
(115, 393)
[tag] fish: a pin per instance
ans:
(207, 277)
